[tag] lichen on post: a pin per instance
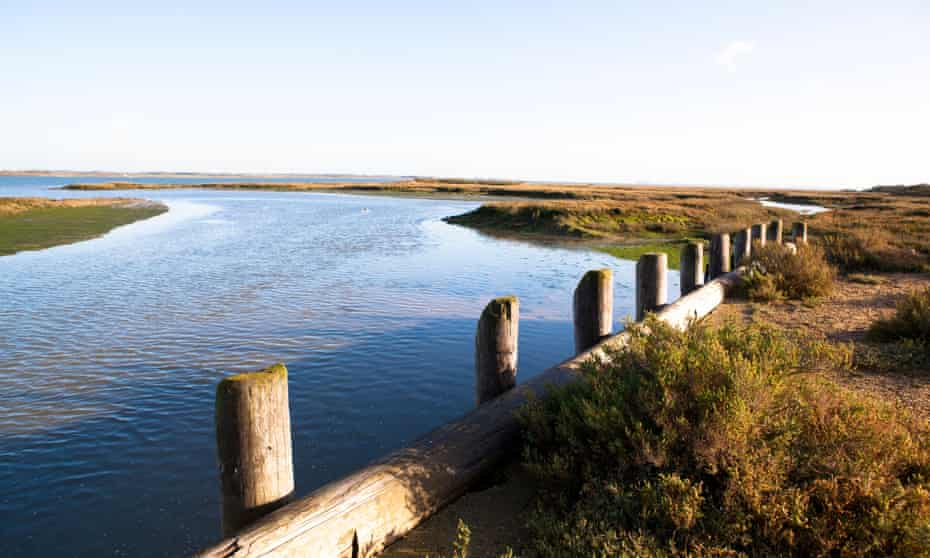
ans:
(651, 283)
(496, 348)
(692, 267)
(253, 442)
(593, 308)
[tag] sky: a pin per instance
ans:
(754, 93)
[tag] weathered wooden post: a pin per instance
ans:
(758, 233)
(253, 442)
(719, 255)
(651, 283)
(742, 246)
(774, 231)
(799, 233)
(692, 267)
(496, 348)
(593, 308)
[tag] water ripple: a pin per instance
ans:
(110, 351)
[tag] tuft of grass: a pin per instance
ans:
(911, 320)
(711, 443)
(43, 224)
(776, 273)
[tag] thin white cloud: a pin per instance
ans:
(733, 52)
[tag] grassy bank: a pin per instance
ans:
(37, 223)
(635, 214)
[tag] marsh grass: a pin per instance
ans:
(886, 229)
(662, 216)
(25, 225)
(716, 442)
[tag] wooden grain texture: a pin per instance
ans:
(719, 255)
(593, 308)
(651, 283)
(496, 348)
(774, 231)
(253, 442)
(799, 233)
(692, 266)
(742, 246)
(759, 233)
(357, 516)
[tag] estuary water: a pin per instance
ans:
(111, 349)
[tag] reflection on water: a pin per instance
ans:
(110, 350)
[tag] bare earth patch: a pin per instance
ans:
(844, 317)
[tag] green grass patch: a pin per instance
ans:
(45, 227)
(634, 251)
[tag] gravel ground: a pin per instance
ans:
(844, 317)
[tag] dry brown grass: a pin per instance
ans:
(13, 206)
(884, 230)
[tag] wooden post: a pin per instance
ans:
(775, 231)
(253, 442)
(692, 267)
(496, 348)
(651, 283)
(359, 514)
(742, 246)
(719, 256)
(593, 308)
(758, 233)
(799, 232)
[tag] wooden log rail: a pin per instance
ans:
(359, 515)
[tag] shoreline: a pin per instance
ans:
(622, 221)
(30, 224)
(620, 216)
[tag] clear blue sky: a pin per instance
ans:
(812, 93)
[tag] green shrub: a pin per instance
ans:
(775, 273)
(709, 443)
(910, 321)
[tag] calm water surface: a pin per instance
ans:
(110, 350)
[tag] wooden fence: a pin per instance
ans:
(358, 515)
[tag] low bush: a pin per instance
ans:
(776, 272)
(875, 250)
(911, 320)
(710, 443)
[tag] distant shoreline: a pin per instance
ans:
(205, 175)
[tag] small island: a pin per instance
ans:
(37, 223)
